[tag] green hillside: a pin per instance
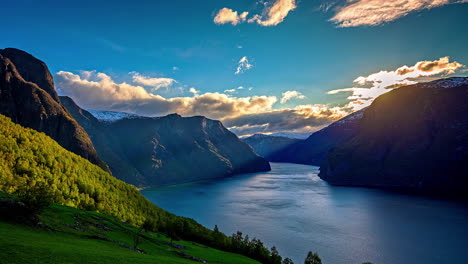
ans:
(71, 236)
(34, 165)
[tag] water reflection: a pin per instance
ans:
(290, 207)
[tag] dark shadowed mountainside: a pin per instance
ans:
(148, 151)
(28, 97)
(268, 146)
(313, 150)
(413, 137)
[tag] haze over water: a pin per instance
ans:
(293, 209)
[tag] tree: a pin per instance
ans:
(147, 226)
(275, 256)
(312, 258)
(36, 197)
(288, 261)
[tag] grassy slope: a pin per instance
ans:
(60, 242)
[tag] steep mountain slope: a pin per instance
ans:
(267, 146)
(314, 149)
(412, 137)
(164, 150)
(28, 97)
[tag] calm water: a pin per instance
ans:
(290, 207)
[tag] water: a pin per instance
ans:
(291, 208)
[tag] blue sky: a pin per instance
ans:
(305, 52)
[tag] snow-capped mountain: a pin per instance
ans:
(110, 116)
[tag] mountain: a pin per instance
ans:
(413, 137)
(28, 97)
(147, 151)
(314, 149)
(110, 116)
(267, 146)
(291, 135)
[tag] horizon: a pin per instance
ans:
(258, 66)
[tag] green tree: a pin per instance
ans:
(36, 197)
(312, 258)
(275, 257)
(288, 261)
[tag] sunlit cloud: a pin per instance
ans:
(154, 83)
(243, 115)
(227, 15)
(371, 86)
(376, 12)
(235, 90)
(302, 119)
(243, 65)
(194, 91)
(288, 95)
(273, 14)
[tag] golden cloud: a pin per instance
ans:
(376, 12)
(384, 81)
(227, 15)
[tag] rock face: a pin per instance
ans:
(413, 137)
(154, 151)
(28, 97)
(269, 146)
(313, 150)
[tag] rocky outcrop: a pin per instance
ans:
(28, 97)
(313, 150)
(269, 146)
(148, 151)
(413, 137)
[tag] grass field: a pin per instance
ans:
(71, 236)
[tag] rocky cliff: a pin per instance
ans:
(28, 97)
(412, 137)
(165, 150)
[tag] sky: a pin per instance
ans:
(258, 66)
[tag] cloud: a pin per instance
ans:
(288, 95)
(194, 91)
(274, 13)
(373, 85)
(376, 12)
(227, 15)
(94, 90)
(243, 115)
(243, 65)
(303, 118)
(154, 83)
(235, 90)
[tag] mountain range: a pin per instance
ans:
(150, 151)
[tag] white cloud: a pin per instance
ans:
(243, 65)
(154, 83)
(235, 90)
(93, 90)
(243, 115)
(373, 85)
(194, 91)
(274, 13)
(288, 95)
(227, 15)
(375, 12)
